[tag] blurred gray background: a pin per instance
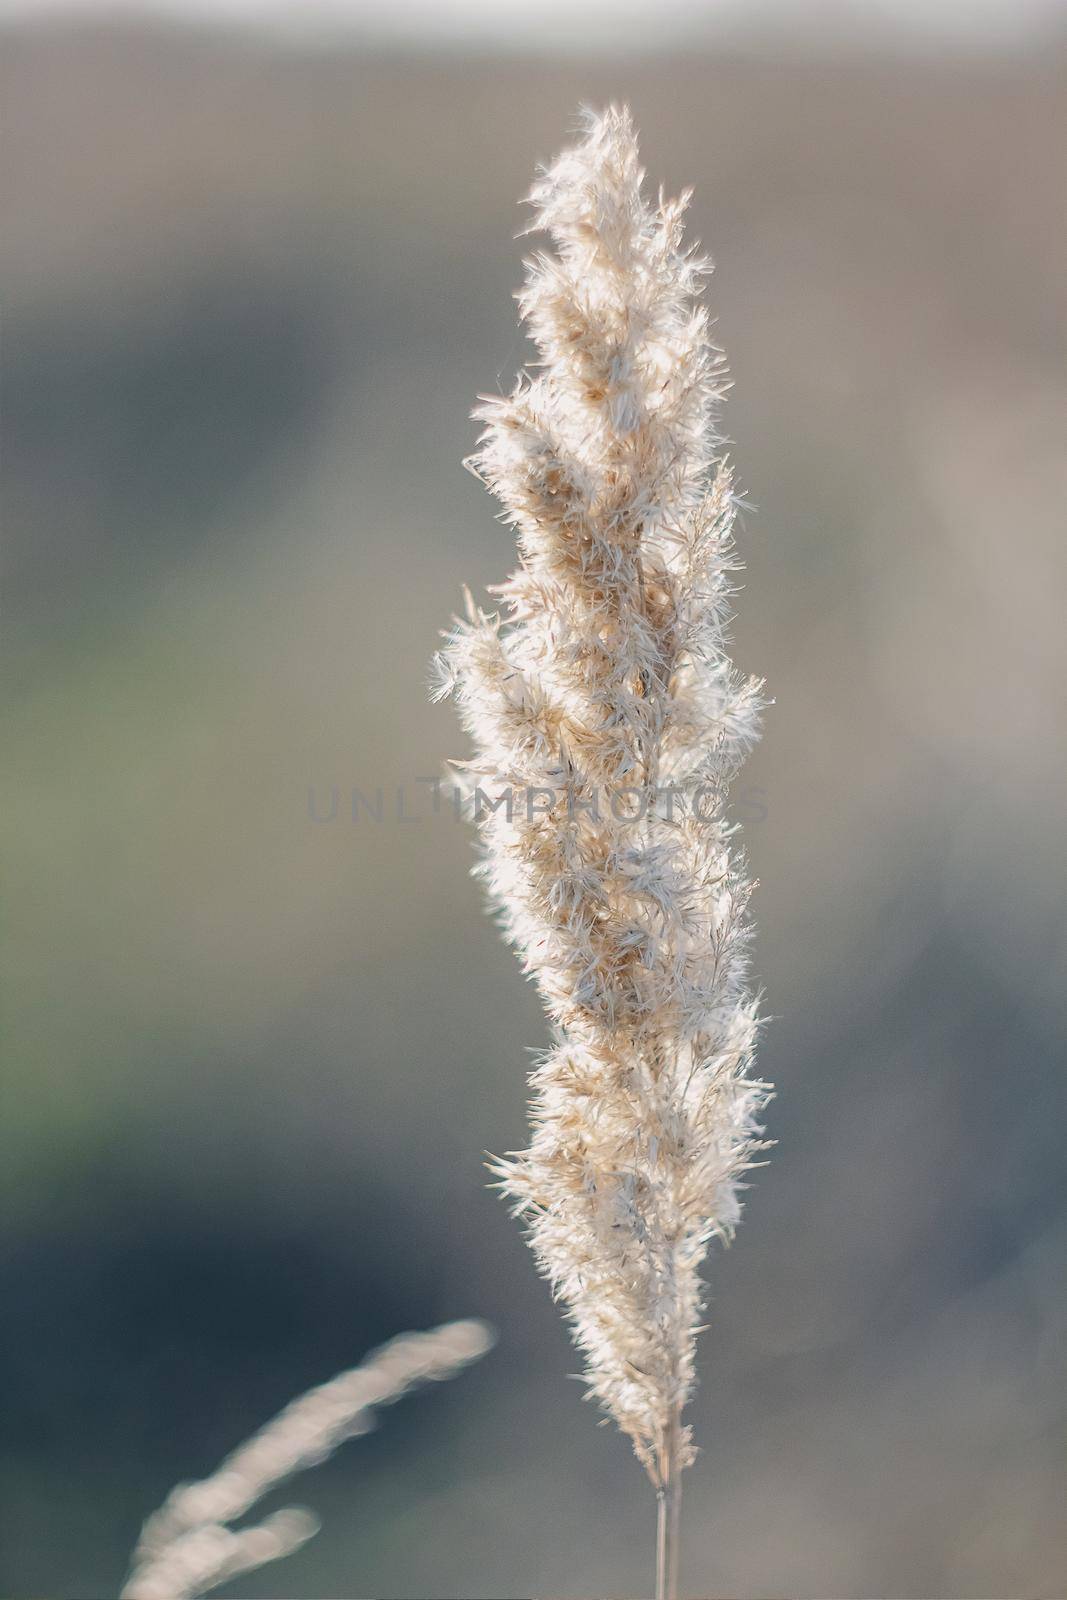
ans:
(256, 274)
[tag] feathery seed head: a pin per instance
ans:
(606, 673)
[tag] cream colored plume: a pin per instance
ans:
(607, 722)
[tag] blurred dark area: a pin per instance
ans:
(253, 1058)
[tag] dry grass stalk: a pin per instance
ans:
(607, 722)
(186, 1548)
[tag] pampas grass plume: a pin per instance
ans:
(603, 706)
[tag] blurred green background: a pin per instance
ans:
(252, 1061)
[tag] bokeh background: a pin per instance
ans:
(256, 272)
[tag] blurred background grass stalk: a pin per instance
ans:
(187, 1547)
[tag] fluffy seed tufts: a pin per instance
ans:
(603, 689)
